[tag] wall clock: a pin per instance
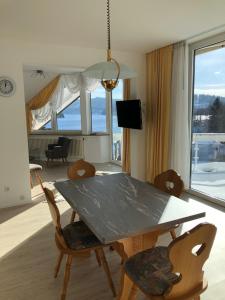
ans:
(7, 86)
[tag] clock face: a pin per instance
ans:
(7, 86)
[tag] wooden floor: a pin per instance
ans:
(28, 255)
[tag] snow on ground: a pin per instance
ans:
(209, 178)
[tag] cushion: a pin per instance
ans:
(33, 167)
(150, 270)
(78, 236)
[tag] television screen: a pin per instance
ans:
(129, 114)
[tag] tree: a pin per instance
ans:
(200, 120)
(217, 117)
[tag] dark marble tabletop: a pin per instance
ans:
(118, 206)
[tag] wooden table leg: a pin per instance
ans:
(131, 246)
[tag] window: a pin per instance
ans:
(117, 94)
(47, 126)
(67, 118)
(70, 118)
(208, 125)
(98, 110)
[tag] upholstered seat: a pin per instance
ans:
(151, 271)
(35, 169)
(174, 272)
(78, 236)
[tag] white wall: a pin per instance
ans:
(14, 176)
(138, 152)
(96, 148)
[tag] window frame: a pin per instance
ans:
(193, 47)
(107, 131)
(69, 130)
(117, 162)
(54, 124)
(86, 114)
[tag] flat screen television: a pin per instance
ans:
(129, 114)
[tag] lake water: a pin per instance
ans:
(73, 122)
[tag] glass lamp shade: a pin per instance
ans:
(108, 70)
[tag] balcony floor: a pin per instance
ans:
(209, 178)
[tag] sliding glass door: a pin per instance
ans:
(208, 122)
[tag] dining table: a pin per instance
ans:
(125, 211)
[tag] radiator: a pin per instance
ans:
(38, 145)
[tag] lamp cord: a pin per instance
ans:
(108, 25)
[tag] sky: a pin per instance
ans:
(117, 92)
(210, 73)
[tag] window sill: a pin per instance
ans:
(206, 197)
(61, 133)
(67, 133)
(98, 133)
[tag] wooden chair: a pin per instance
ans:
(173, 272)
(80, 169)
(36, 169)
(72, 240)
(170, 182)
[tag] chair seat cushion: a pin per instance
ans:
(78, 236)
(33, 167)
(150, 270)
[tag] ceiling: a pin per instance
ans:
(33, 84)
(138, 26)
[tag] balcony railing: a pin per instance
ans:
(208, 164)
(207, 148)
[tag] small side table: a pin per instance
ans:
(35, 168)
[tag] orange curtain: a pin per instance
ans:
(40, 100)
(159, 78)
(126, 165)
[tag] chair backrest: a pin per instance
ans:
(61, 140)
(53, 208)
(188, 253)
(55, 218)
(81, 169)
(169, 182)
(65, 146)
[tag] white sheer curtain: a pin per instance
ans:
(180, 130)
(74, 83)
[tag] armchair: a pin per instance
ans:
(59, 150)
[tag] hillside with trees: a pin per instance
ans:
(210, 116)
